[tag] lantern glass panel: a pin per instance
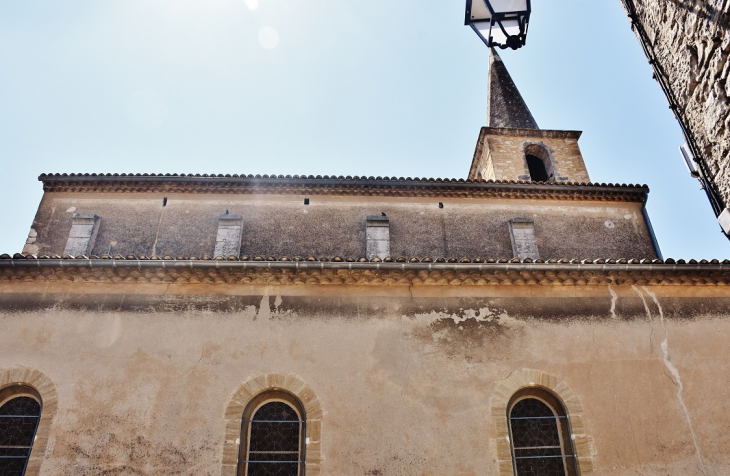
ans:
(482, 28)
(479, 10)
(508, 6)
(512, 27)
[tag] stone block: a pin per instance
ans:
(505, 467)
(275, 380)
(235, 410)
(229, 469)
(233, 428)
(81, 238)
(228, 239)
(378, 237)
(522, 235)
(256, 385)
(503, 446)
(314, 469)
(230, 454)
(293, 384)
(314, 452)
(314, 429)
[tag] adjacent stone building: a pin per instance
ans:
(687, 44)
(519, 321)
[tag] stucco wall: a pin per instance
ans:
(691, 43)
(139, 224)
(405, 376)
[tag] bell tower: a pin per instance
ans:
(513, 147)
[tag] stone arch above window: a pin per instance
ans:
(529, 383)
(26, 385)
(539, 162)
(256, 392)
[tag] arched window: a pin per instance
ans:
(20, 412)
(540, 435)
(273, 436)
(538, 173)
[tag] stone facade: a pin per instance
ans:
(279, 225)
(147, 353)
(690, 43)
(400, 319)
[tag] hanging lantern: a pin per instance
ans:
(499, 23)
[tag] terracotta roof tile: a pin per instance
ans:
(401, 259)
(235, 183)
(413, 271)
(77, 176)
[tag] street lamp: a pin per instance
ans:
(501, 23)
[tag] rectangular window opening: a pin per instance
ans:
(81, 238)
(378, 236)
(228, 239)
(524, 242)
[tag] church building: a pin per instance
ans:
(518, 321)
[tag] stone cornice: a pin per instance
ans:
(342, 186)
(407, 273)
(503, 131)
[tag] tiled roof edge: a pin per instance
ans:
(107, 260)
(340, 185)
(287, 271)
(114, 177)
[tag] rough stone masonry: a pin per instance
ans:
(690, 43)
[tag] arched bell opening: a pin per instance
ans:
(538, 172)
(539, 163)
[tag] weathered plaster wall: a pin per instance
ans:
(139, 224)
(692, 45)
(405, 376)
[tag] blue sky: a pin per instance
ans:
(393, 88)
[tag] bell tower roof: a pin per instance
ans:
(506, 108)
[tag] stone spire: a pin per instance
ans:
(505, 106)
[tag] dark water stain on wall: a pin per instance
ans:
(106, 444)
(470, 338)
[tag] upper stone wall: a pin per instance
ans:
(174, 224)
(690, 41)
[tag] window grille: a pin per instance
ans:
(19, 419)
(273, 438)
(540, 436)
